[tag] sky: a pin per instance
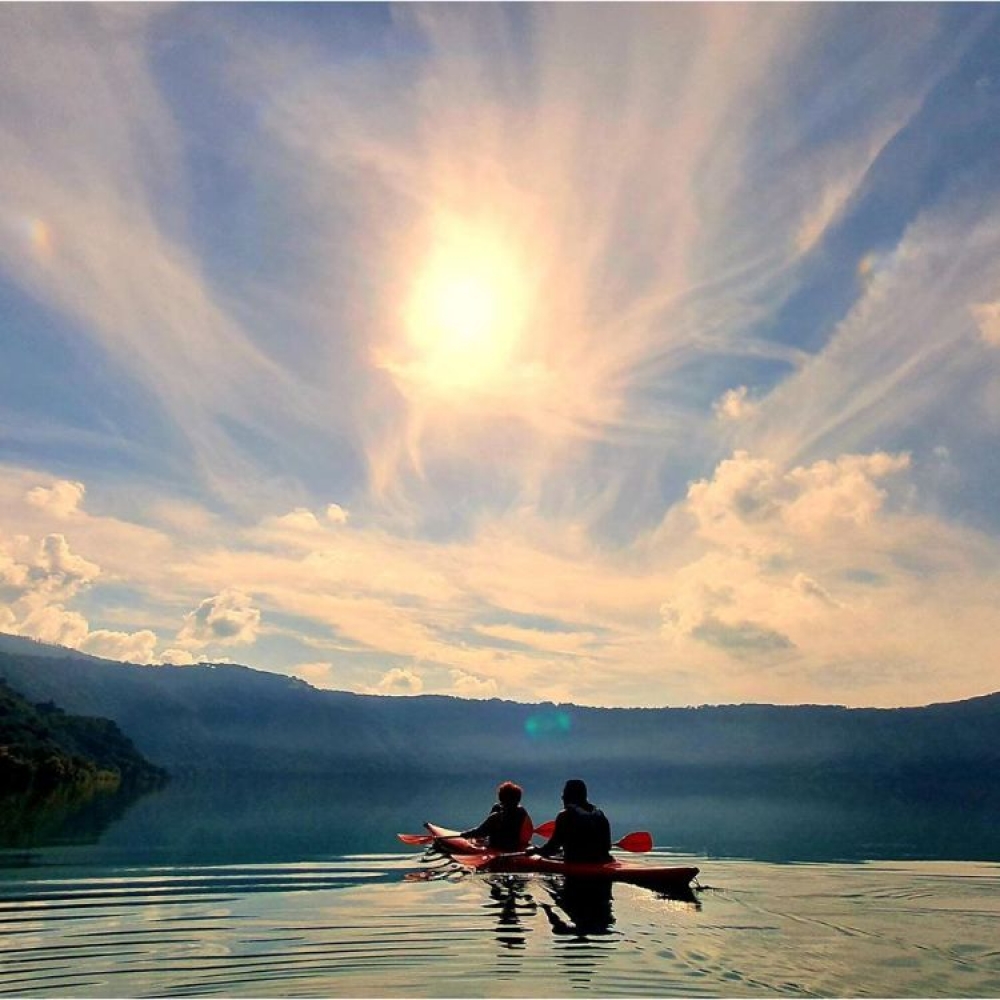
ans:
(608, 354)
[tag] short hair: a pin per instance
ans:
(575, 791)
(509, 793)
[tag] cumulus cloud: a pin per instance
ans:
(36, 583)
(133, 647)
(467, 685)
(176, 657)
(33, 577)
(53, 623)
(735, 405)
(62, 569)
(226, 619)
(747, 492)
(399, 680)
(776, 538)
(61, 499)
(336, 514)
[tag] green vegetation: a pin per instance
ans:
(43, 750)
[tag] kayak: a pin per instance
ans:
(473, 854)
(452, 842)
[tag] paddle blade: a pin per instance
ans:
(546, 829)
(473, 860)
(415, 838)
(637, 843)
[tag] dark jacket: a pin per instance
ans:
(507, 828)
(582, 833)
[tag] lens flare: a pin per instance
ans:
(548, 725)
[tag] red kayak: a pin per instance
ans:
(473, 854)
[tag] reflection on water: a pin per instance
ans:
(580, 908)
(254, 819)
(69, 813)
(228, 820)
(356, 926)
(300, 888)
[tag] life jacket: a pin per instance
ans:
(588, 834)
(510, 828)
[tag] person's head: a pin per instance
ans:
(574, 792)
(509, 794)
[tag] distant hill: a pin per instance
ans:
(42, 749)
(34, 647)
(235, 719)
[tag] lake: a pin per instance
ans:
(300, 888)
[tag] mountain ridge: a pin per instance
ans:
(237, 719)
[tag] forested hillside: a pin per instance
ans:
(238, 720)
(43, 748)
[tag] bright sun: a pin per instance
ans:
(466, 312)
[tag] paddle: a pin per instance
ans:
(415, 838)
(545, 830)
(638, 843)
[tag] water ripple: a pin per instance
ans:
(359, 926)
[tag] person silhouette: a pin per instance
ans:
(508, 826)
(582, 832)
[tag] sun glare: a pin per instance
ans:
(466, 312)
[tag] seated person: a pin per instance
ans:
(582, 831)
(508, 826)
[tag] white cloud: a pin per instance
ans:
(746, 492)
(399, 680)
(53, 623)
(735, 405)
(842, 490)
(62, 569)
(133, 647)
(336, 514)
(227, 619)
(33, 577)
(300, 519)
(35, 585)
(987, 317)
(470, 686)
(61, 499)
(176, 657)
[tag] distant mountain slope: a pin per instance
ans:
(235, 719)
(41, 747)
(34, 647)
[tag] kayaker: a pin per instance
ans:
(582, 832)
(508, 826)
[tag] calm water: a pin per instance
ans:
(303, 891)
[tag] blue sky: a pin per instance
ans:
(617, 354)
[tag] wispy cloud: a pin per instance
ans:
(717, 433)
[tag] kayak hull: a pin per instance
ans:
(650, 876)
(475, 855)
(451, 842)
